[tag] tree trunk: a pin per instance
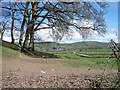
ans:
(22, 26)
(2, 32)
(12, 26)
(31, 44)
(25, 45)
(2, 35)
(29, 26)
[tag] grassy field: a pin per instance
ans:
(77, 61)
(90, 48)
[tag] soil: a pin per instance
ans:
(46, 73)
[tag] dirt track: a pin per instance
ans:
(25, 67)
(45, 67)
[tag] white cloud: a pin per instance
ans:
(7, 38)
(83, 23)
(107, 37)
(7, 35)
(113, 30)
(44, 34)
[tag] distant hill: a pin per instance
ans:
(73, 45)
(91, 44)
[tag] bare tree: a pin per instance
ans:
(58, 16)
(11, 15)
(3, 28)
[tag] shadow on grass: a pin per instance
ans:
(35, 54)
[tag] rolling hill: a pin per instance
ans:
(87, 44)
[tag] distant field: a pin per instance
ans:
(92, 52)
(77, 61)
(94, 49)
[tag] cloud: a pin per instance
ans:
(107, 37)
(83, 23)
(111, 34)
(113, 30)
(44, 34)
(7, 35)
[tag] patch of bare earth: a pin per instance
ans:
(46, 73)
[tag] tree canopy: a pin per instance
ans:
(60, 17)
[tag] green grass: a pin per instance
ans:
(9, 53)
(37, 48)
(77, 61)
(0, 48)
(98, 50)
(70, 55)
(10, 50)
(66, 54)
(89, 62)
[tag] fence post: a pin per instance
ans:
(118, 62)
(117, 56)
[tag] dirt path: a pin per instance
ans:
(45, 67)
(26, 67)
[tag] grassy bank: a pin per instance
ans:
(9, 53)
(12, 50)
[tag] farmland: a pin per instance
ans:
(101, 51)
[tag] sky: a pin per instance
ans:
(112, 25)
(112, 29)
